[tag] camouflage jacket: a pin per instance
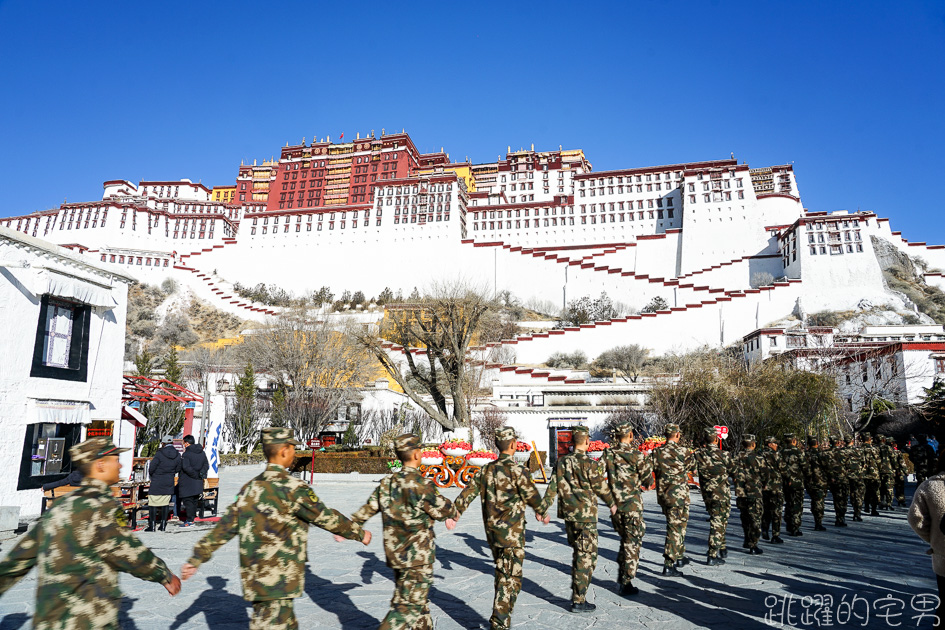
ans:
(627, 470)
(900, 468)
(576, 481)
(80, 545)
(871, 456)
(506, 488)
(793, 464)
(772, 479)
(672, 463)
(409, 503)
(714, 467)
(818, 469)
(856, 463)
(922, 457)
(271, 516)
(749, 468)
(886, 458)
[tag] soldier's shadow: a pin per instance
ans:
(125, 620)
(221, 609)
(331, 597)
(14, 621)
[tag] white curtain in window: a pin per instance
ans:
(62, 411)
(84, 291)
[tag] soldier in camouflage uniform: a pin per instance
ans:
(815, 479)
(409, 504)
(749, 468)
(576, 481)
(506, 488)
(714, 467)
(271, 516)
(838, 479)
(871, 457)
(672, 463)
(901, 470)
(887, 476)
(857, 472)
(627, 471)
(793, 464)
(772, 491)
(922, 456)
(80, 545)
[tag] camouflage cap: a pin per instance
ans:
(710, 433)
(670, 430)
(504, 434)
(834, 439)
(407, 442)
(867, 437)
(748, 438)
(812, 439)
(881, 438)
(278, 435)
(93, 449)
(580, 429)
(789, 436)
(771, 440)
(623, 429)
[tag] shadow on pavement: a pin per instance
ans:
(14, 621)
(332, 598)
(220, 608)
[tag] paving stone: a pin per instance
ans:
(349, 586)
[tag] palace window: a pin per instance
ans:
(61, 348)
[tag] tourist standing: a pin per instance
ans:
(80, 545)
(164, 466)
(271, 517)
(409, 504)
(672, 463)
(714, 467)
(506, 488)
(194, 469)
(628, 471)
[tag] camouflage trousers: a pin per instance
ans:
(719, 511)
(817, 497)
(508, 584)
(410, 605)
(900, 488)
(857, 492)
(773, 511)
(793, 507)
(840, 492)
(583, 540)
(631, 528)
(886, 491)
(275, 614)
(751, 510)
(871, 495)
(677, 518)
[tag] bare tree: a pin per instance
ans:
(486, 421)
(317, 363)
(435, 333)
(628, 360)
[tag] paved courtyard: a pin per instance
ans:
(870, 574)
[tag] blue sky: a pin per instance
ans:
(851, 93)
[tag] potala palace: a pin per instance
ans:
(375, 212)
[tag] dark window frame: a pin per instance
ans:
(78, 350)
(26, 481)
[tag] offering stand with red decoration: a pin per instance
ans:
(448, 467)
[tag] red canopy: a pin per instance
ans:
(143, 389)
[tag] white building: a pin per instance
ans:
(63, 338)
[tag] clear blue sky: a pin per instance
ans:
(851, 93)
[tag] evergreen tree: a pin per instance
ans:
(172, 369)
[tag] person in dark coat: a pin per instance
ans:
(164, 465)
(72, 479)
(194, 468)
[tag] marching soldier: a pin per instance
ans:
(886, 473)
(577, 481)
(923, 458)
(793, 464)
(409, 504)
(506, 489)
(815, 478)
(627, 471)
(772, 491)
(672, 463)
(901, 471)
(271, 516)
(80, 545)
(714, 467)
(838, 481)
(871, 460)
(748, 493)
(857, 472)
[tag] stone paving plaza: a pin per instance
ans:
(870, 574)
